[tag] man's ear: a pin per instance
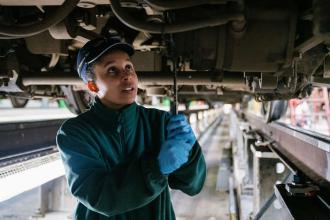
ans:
(92, 86)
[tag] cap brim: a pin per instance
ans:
(120, 46)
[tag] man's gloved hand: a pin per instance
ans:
(173, 154)
(179, 128)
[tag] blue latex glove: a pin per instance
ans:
(179, 128)
(173, 154)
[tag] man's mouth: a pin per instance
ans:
(128, 89)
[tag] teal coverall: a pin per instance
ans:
(110, 160)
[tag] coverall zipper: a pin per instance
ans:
(120, 131)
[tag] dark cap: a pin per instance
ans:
(94, 49)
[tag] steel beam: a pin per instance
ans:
(308, 152)
(25, 137)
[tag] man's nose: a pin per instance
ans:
(126, 75)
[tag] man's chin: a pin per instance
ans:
(127, 97)
(119, 103)
(127, 101)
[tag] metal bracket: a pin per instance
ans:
(260, 143)
(301, 189)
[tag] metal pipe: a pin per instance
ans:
(192, 78)
(5, 37)
(198, 93)
(162, 5)
(24, 31)
(188, 25)
(145, 78)
(175, 104)
(51, 80)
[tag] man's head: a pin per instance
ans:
(105, 66)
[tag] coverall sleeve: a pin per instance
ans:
(190, 177)
(103, 190)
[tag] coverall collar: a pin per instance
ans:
(125, 116)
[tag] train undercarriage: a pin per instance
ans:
(221, 50)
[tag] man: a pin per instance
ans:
(121, 158)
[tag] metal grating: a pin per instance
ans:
(28, 164)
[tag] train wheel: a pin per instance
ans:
(274, 110)
(76, 101)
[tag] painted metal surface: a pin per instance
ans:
(309, 152)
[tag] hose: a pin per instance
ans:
(25, 31)
(5, 37)
(162, 5)
(131, 22)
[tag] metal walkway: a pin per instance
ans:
(209, 204)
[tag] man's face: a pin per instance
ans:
(116, 79)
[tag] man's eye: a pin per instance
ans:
(112, 70)
(129, 67)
